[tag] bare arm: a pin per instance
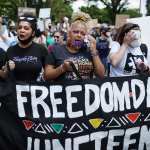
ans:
(51, 73)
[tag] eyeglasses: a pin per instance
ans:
(77, 32)
(26, 18)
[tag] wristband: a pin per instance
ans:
(62, 68)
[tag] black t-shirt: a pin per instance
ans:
(82, 61)
(28, 61)
(3, 60)
(102, 45)
(2, 57)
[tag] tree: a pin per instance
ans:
(103, 15)
(114, 7)
(96, 13)
(10, 8)
(59, 9)
(133, 13)
(148, 7)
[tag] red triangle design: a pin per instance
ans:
(133, 116)
(28, 124)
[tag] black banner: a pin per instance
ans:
(113, 114)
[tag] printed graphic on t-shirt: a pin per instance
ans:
(26, 59)
(84, 67)
(130, 65)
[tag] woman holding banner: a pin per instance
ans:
(75, 60)
(126, 57)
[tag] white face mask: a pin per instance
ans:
(137, 42)
(137, 34)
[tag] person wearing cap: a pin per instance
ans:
(126, 57)
(74, 61)
(28, 56)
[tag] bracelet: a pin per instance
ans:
(61, 68)
(93, 54)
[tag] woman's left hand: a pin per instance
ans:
(11, 64)
(92, 43)
(142, 66)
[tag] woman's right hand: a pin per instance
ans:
(66, 66)
(129, 37)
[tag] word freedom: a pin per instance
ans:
(107, 97)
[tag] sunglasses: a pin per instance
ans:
(26, 18)
(56, 37)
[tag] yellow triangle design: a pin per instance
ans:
(96, 122)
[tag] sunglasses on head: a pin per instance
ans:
(26, 18)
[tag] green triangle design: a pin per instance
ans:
(57, 127)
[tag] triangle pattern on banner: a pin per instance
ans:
(96, 122)
(133, 117)
(57, 127)
(75, 128)
(114, 123)
(147, 118)
(40, 129)
(28, 124)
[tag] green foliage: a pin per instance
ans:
(133, 13)
(96, 13)
(148, 7)
(103, 15)
(10, 8)
(60, 9)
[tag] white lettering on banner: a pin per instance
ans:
(80, 140)
(21, 100)
(90, 108)
(107, 97)
(144, 138)
(47, 145)
(39, 101)
(97, 138)
(56, 101)
(107, 107)
(121, 97)
(112, 134)
(72, 100)
(148, 92)
(127, 140)
(137, 101)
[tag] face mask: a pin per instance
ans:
(77, 43)
(108, 34)
(137, 34)
(135, 43)
(27, 41)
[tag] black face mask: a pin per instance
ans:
(27, 41)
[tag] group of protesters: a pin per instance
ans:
(76, 53)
